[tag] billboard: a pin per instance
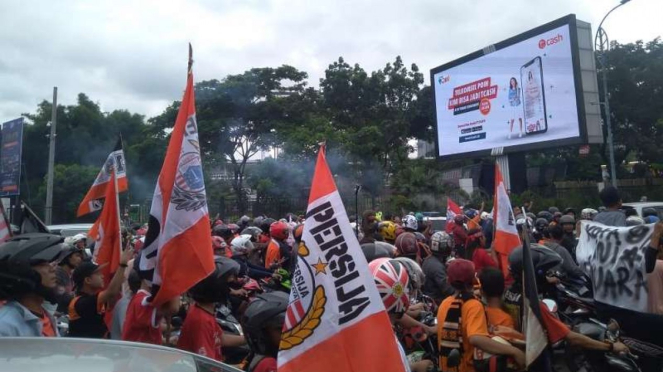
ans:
(521, 94)
(10, 157)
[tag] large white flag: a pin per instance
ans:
(336, 320)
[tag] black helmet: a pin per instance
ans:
(566, 219)
(253, 231)
(374, 250)
(545, 214)
(543, 259)
(570, 210)
(553, 210)
(266, 223)
(541, 224)
(222, 230)
(531, 216)
(267, 310)
(215, 287)
(67, 251)
(646, 212)
(18, 255)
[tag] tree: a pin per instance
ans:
(635, 83)
(237, 116)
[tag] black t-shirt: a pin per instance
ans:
(86, 317)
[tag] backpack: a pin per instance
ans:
(451, 342)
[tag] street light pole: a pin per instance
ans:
(48, 218)
(601, 42)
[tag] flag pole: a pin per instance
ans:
(190, 65)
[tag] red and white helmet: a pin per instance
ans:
(392, 281)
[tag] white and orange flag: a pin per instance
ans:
(177, 246)
(92, 200)
(106, 232)
(506, 237)
(335, 320)
(452, 210)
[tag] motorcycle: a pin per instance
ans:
(590, 361)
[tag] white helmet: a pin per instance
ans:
(588, 214)
(410, 222)
(78, 237)
(441, 242)
(241, 245)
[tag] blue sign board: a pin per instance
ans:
(10, 157)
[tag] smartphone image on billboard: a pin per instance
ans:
(534, 103)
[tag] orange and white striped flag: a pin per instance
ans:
(506, 233)
(106, 232)
(335, 320)
(177, 246)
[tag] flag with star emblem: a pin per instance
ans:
(335, 316)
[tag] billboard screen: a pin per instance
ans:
(10, 157)
(521, 94)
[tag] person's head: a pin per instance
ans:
(368, 217)
(27, 266)
(556, 233)
(279, 230)
(543, 260)
(513, 83)
(541, 225)
(219, 245)
(134, 281)
(557, 216)
(397, 220)
(392, 281)
(406, 245)
(588, 214)
(474, 241)
(241, 246)
(646, 212)
(70, 257)
(223, 231)
(516, 210)
(415, 275)
(628, 212)
(88, 278)
(610, 197)
(79, 241)
(262, 322)
(410, 223)
(568, 223)
(492, 282)
(460, 274)
(570, 212)
(387, 230)
(216, 286)
(441, 244)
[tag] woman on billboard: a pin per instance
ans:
(514, 102)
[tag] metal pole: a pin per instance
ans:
(357, 188)
(600, 36)
(51, 160)
(606, 110)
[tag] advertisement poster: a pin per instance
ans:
(10, 157)
(521, 94)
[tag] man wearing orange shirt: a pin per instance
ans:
(463, 316)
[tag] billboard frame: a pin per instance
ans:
(569, 20)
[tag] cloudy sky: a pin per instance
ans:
(132, 54)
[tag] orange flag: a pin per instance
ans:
(506, 237)
(452, 210)
(336, 320)
(92, 200)
(177, 249)
(106, 232)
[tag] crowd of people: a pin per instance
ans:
(475, 295)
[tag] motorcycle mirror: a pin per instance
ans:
(613, 325)
(453, 360)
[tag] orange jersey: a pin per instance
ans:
(273, 254)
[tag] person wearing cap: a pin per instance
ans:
(87, 309)
(70, 258)
(463, 317)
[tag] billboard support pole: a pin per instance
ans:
(503, 161)
(51, 161)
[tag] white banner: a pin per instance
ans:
(614, 258)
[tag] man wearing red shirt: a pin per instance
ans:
(200, 332)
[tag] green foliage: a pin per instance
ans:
(68, 189)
